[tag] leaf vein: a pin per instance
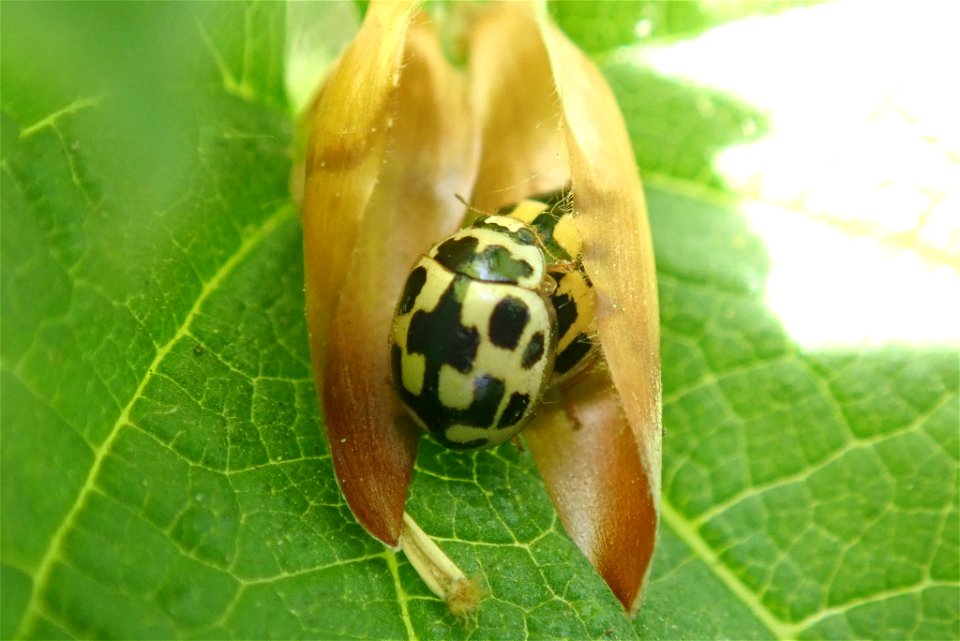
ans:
(53, 552)
(50, 120)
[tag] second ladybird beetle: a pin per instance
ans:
(489, 319)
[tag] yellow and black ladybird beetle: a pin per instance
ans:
(489, 319)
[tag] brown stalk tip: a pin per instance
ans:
(464, 599)
(445, 579)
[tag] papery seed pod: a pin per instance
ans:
(391, 126)
(397, 135)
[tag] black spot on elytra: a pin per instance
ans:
(545, 224)
(494, 263)
(566, 309)
(411, 290)
(514, 411)
(507, 322)
(534, 351)
(456, 251)
(558, 204)
(441, 336)
(572, 354)
(396, 362)
(487, 394)
(443, 340)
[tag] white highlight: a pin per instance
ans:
(854, 185)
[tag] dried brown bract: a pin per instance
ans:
(397, 133)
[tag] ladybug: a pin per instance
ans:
(490, 318)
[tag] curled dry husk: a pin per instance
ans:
(397, 135)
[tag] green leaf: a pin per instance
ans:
(810, 361)
(163, 467)
(600, 27)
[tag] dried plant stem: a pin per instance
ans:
(461, 594)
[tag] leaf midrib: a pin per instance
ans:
(52, 553)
